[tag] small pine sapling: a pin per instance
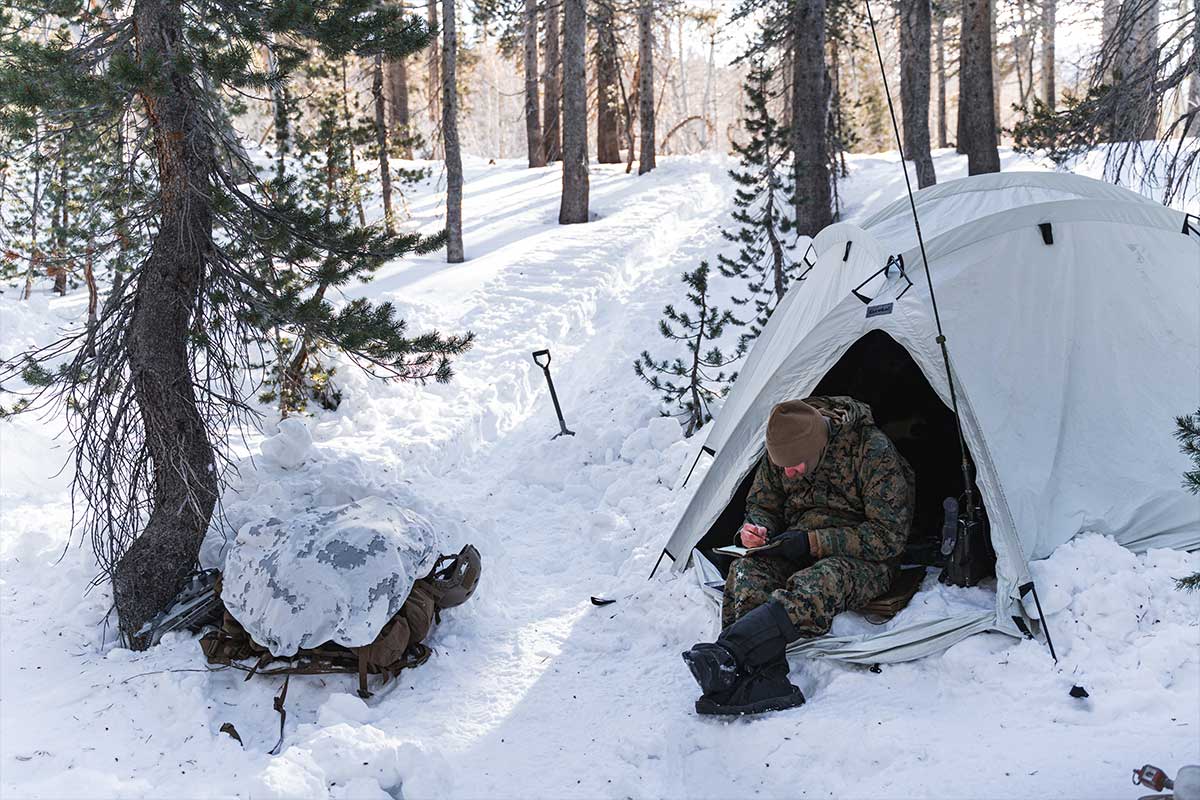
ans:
(1187, 431)
(762, 197)
(691, 383)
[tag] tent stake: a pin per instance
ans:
(1030, 587)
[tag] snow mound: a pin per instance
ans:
(289, 447)
(327, 574)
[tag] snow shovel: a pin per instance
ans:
(537, 354)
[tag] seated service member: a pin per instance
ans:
(834, 499)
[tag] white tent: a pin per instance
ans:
(1072, 312)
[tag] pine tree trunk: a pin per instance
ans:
(381, 144)
(348, 121)
(398, 118)
(608, 145)
(33, 211)
(279, 104)
(433, 84)
(645, 26)
(915, 29)
(574, 205)
(454, 173)
(810, 112)
(1144, 55)
(552, 86)
(1049, 91)
(997, 78)
(533, 123)
(150, 573)
(976, 110)
(942, 139)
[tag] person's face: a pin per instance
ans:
(803, 468)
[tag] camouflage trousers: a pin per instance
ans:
(812, 595)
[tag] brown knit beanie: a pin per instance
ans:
(796, 434)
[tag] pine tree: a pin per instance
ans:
(152, 389)
(762, 198)
(691, 384)
(1187, 431)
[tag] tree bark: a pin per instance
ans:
(976, 109)
(381, 144)
(398, 117)
(150, 573)
(608, 145)
(645, 24)
(433, 85)
(1193, 103)
(1143, 57)
(915, 29)
(942, 140)
(1049, 91)
(552, 87)
(533, 123)
(279, 104)
(574, 205)
(454, 173)
(810, 111)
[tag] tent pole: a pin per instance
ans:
(968, 482)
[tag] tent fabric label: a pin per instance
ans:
(879, 310)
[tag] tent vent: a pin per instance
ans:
(1047, 232)
(807, 264)
(846, 255)
(1191, 228)
(886, 269)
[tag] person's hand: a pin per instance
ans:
(753, 535)
(792, 545)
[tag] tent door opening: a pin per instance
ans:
(877, 370)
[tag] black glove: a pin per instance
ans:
(792, 545)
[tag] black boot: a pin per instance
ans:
(762, 689)
(757, 639)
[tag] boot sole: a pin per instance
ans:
(709, 707)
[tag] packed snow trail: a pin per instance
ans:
(535, 692)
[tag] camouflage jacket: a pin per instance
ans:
(859, 500)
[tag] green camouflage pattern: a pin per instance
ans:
(857, 505)
(812, 596)
(858, 502)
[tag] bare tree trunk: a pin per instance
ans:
(976, 108)
(381, 143)
(645, 24)
(810, 112)
(608, 144)
(433, 85)
(942, 140)
(1193, 103)
(915, 29)
(398, 118)
(552, 87)
(574, 205)
(149, 574)
(1049, 91)
(454, 173)
(533, 123)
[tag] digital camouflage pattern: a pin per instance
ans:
(857, 503)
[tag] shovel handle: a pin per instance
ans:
(538, 354)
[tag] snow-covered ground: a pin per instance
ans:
(534, 691)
